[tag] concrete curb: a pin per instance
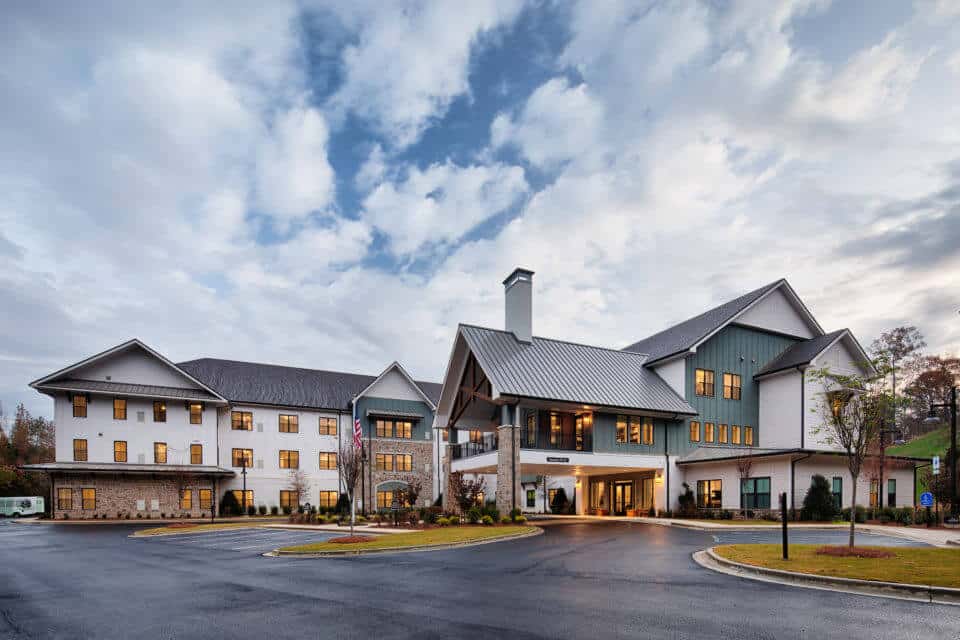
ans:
(277, 553)
(709, 559)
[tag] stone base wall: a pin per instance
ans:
(508, 469)
(422, 470)
(117, 496)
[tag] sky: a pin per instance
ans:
(336, 185)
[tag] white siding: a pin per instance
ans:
(780, 410)
(840, 359)
(777, 469)
(135, 366)
(776, 313)
(393, 385)
(674, 374)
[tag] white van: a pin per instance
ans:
(16, 507)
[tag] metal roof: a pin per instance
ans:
(255, 383)
(683, 336)
(128, 389)
(569, 372)
(720, 454)
(120, 467)
(389, 413)
(800, 353)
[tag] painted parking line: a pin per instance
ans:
(240, 541)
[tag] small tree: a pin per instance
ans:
(350, 466)
(299, 483)
(560, 501)
(818, 503)
(687, 501)
(412, 492)
(465, 492)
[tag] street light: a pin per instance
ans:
(933, 418)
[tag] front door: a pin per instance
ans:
(622, 497)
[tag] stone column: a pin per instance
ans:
(508, 468)
(580, 488)
(448, 502)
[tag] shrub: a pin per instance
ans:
(139, 516)
(818, 503)
(287, 510)
(487, 520)
(474, 515)
(443, 522)
(361, 519)
(66, 516)
(163, 515)
(559, 503)
(726, 514)
(251, 510)
(904, 516)
(343, 504)
(651, 512)
(505, 520)
(521, 519)
(490, 509)
(274, 510)
(515, 513)
(430, 515)
(688, 502)
(262, 509)
(413, 518)
(229, 505)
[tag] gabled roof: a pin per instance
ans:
(703, 454)
(406, 376)
(568, 372)
(269, 384)
(690, 333)
(128, 389)
(803, 353)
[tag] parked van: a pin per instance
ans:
(16, 507)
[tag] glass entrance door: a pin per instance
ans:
(622, 497)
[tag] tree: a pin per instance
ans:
(930, 386)
(465, 492)
(412, 493)
(299, 483)
(560, 501)
(818, 503)
(350, 466)
(895, 350)
(852, 409)
(29, 440)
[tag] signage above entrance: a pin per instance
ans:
(549, 459)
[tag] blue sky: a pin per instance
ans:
(338, 184)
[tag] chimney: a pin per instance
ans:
(518, 304)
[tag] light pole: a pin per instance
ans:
(932, 418)
(243, 472)
(883, 448)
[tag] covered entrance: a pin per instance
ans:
(622, 496)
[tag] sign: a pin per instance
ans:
(936, 465)
(926, 499)
(549, 459)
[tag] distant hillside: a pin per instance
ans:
(926, 446)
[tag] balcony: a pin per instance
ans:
(486, 444)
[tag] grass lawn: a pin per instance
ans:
(914, 565)
(198, 528)
(926, 446)
(438, 536)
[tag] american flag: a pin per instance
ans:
(357, 431)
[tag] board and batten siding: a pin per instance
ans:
(422, 430)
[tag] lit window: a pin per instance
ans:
(384, 428)
(404, 429)
(242, 457)
(704, 382)
(621, 429)
(119, 409)
(186, 499)
(79, 450)
(735, 434)
(722, 436)
(159, 411)
(288, 499)
(404, 462)
(196, 454)
(384, 462)
(289, 459)
(196, 412)
(731, 386)
(555, 429)
(635, 430)
(578, 426)
(531, 429)
(119, 450)
(328, 426)
(384, 499)
(64, 498)
(241, 421)
(89, 497)
(206, 498)
(328, 460)
(243, 500)
(748, 436)
(708, 432)
(874, 492)
(79, 406)
(694, 431)
(160, 452)
(289, 424)
(476, 436)
(328, 499)
(710, 494)
(531, 498)
(648, 431)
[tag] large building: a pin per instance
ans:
(721, 402)
(140, 436)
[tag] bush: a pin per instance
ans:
(487, 520)
(515, 513)
(361, 519)
(229, 505)
(287, 510)
(262, 509)
(274, 510)
(559, 503)
(818, 503)
(251, 510)
(443, 522)
(505, 520)
(490, 509)
(413, 518)
(688, 502)
(861, 514)
(474, 515)
(521, 519)
(431, 514)
(343, 504)
(726, 514)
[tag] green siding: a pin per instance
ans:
(420, 427)
(605, 436)
(737, 350)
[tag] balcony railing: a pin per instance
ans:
(486, 444)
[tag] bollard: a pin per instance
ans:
(783, 521)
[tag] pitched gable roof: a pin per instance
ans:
(688, 334)
(395, 366)
(803, 353)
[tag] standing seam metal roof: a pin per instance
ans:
(570, 372)
(800, 353)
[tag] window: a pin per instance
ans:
(551, 494)
(159, 411)
(289, 459)
(694, 431)
(328, 460)
(288, 499)
(196, 412)
(531, 498)
(384, 462)
(748, 436)
(243, 500)
(647, 434)
(891, 492)
(119, 450)
(384, 428)
(735, 434)
(704, 382)
(206, 498)
(196, 454)
(722, 433)
(476, 436)
(404, 462)
(64, 498)
(755, 493)
(186, 499)
(531, 429)
(708, 434)
(837, 490)
(404, 429)
(328, 499)
(79, 406)
(89, 498)
(731, 386)
(289, 424)
(119, 409)
(578, 430)
(621, 429)
(555, 429)
(328, 426)
(634, 430)
(874, 492)
(242, 458)
(384, 499)
(79, 450)
(709, 494)
(160, 453)
(241, 420)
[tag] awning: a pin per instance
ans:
(389, 413)
(121, 468)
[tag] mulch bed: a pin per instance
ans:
(350, 539)
(855, 552)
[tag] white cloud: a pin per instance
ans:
(372, 170)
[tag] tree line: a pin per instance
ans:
(27, 440)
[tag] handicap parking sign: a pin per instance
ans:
(926, 499)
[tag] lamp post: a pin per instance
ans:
(932, 418)
(243, 472)
(883, 448)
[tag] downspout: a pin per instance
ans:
(803, 409)
(666, 458)
(793, 480)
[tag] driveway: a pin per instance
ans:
(578, 580)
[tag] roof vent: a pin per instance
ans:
(518, 304)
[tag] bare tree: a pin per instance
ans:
(412, 493)
(852, 409)
(894, 350)
(299, 484)
(350, 467)
(465, 492)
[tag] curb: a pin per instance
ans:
(709, 559)
(277, 553)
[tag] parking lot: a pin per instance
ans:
(252, 541)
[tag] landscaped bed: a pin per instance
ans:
(186, 527)
(910, 565)
(440, 536)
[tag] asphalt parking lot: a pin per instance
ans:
(251, 541)
(578, 580)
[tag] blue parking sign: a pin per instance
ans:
(926, 499)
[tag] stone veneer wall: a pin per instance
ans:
(508, 460)
(119, 494)
(422, 455)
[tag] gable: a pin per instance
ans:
(133, 365)
(840, 358)
(394, 385)
(778, 313)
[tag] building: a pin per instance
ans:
(719, 402)
(140, 436)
